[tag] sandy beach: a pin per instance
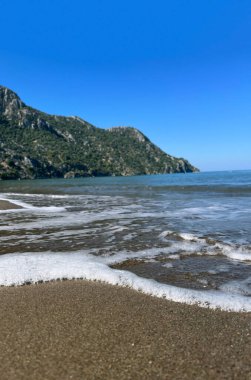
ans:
(6, 205)
(80, 329)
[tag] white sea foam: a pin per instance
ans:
(130, 236)
(59, 196)
(190, 237)
(59, 217)
(235, 253)
(17, 269)
(28, 195)
(116, 220)
(146, 254)
(174, 257)
(165, 233)
(178, 243)
(238, 287)
(28, 207)
(196, 244)
(167, 265)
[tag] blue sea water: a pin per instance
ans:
(190, 232)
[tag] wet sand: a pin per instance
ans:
(88, 330)
(6, 205)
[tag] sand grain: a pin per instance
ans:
(85, 330)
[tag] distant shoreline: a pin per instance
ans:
(107, 176)
(6, 205)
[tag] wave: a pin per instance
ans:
(18, 269)
(190, 243)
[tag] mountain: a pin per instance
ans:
(34, 144)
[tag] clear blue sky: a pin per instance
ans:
(180, 70)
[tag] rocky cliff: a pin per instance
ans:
(34, 144)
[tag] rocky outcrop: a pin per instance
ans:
(34, 144)
(10, 103)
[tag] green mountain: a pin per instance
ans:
(34, 144)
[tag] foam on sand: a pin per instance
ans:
(17, 206)
(18, 269)
(7, 205)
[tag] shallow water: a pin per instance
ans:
(191, 231)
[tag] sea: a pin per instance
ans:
(183, 237)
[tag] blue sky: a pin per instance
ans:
(180, 70)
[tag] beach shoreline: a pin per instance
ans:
(6, 205)
(81, 329)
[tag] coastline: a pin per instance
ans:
(6, 205)
(81, 329)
